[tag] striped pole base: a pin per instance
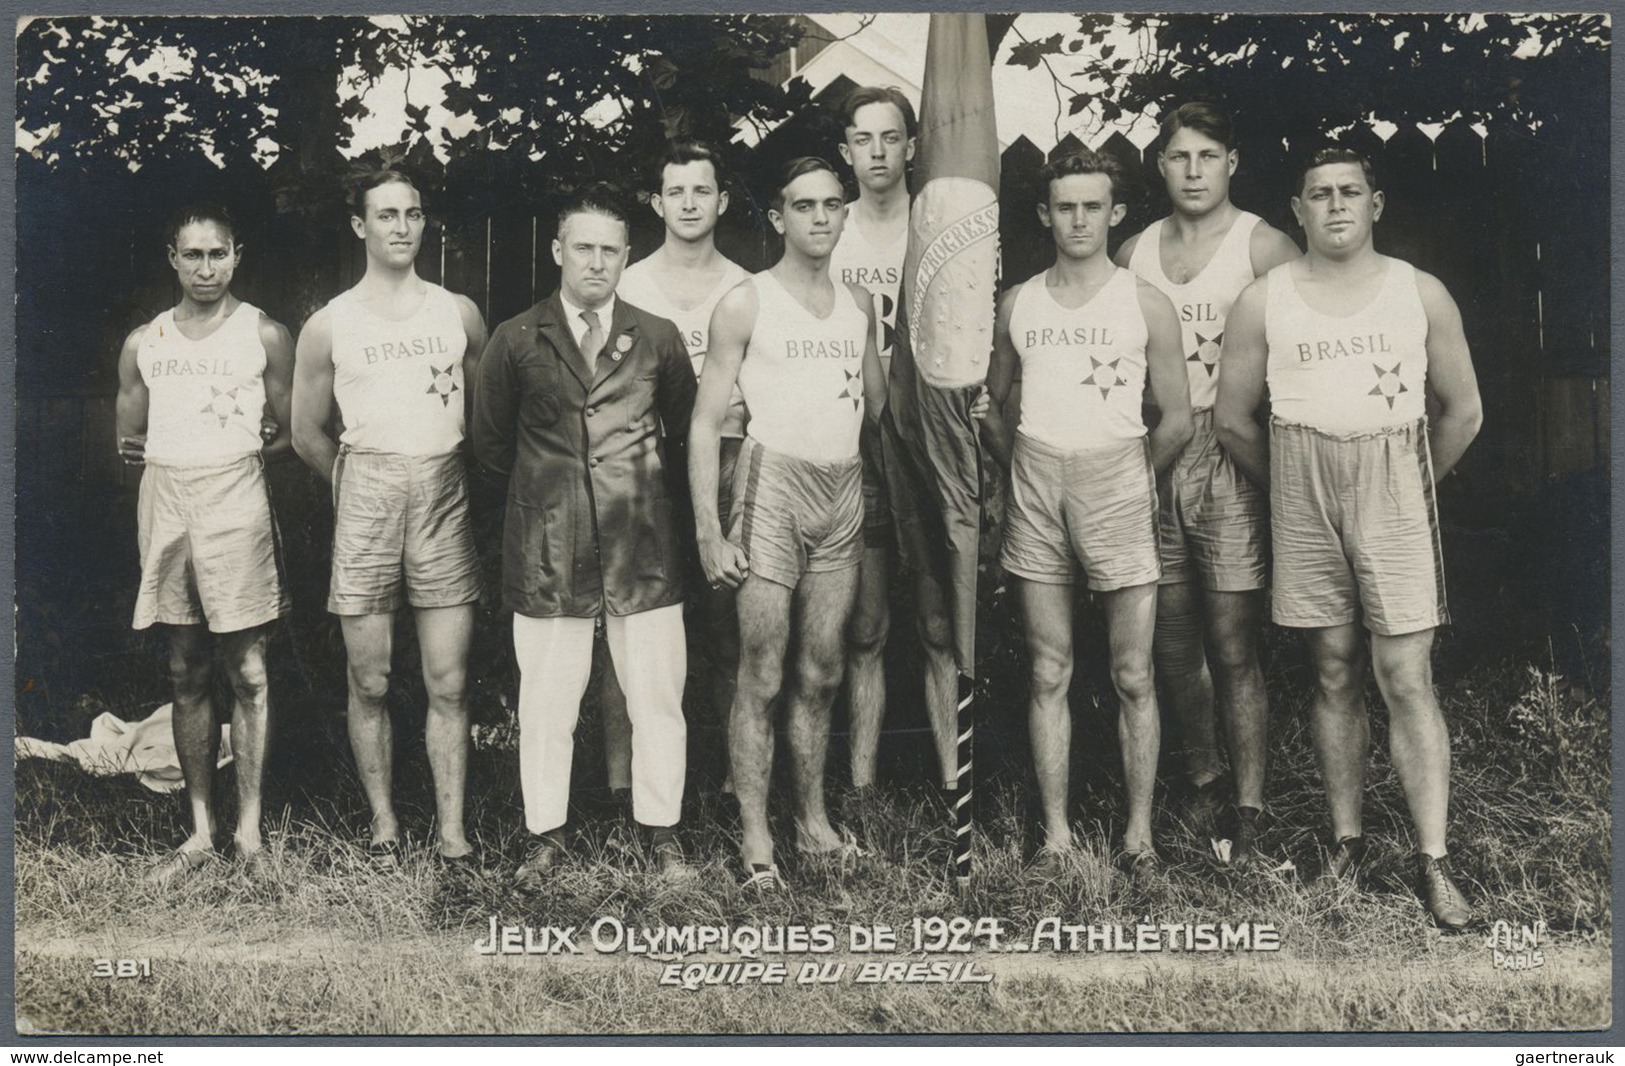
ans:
(962, 793)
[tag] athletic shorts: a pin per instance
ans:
(1356, 528)
(794, 517)
(209, 550)
(1098, 506)
(727, 463)
(401, 533)
(1212, 523)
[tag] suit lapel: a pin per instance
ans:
(553, 328)
(623, 338)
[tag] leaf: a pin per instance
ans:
(1031, 53)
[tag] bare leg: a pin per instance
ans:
(369, 640)
(1419, 742)
(197, 740)
(1338, 721)
(941, 675)
(823, 606)
(1131, 622)
(244, 654)
(866, 662)
(1183, 676)
(764, 635)
(443, 637)
(1233, 621)
(617, 729)
(1047, 611)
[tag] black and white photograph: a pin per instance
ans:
(852, 524)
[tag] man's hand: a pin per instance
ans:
(979, 406)
(269, 428)
(133, 449)
(725, 563)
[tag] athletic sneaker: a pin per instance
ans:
(1244, 840)
(1343, 864)
(1444, 900)
(763, 877)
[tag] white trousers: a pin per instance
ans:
(555, 661)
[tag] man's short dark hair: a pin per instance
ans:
(200, 211)
(681, 153)
(1335, 153)
(865, 95)
(598, 198)
(365, 182)
(1205, 117)
(806, 164)
(1083, 161)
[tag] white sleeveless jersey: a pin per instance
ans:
(1204, 301)
(639, 288)
(879, 269)
(1082, 370)
(1356, 374)
(205, 398)
(803, 376)
(399, 385)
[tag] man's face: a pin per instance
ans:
(877, 146)
(689, 201)
(1197, 170)
(591, 252)
(204, 257)
(1080, 214)
(1337, 208)
(392, 227)
(814, 212)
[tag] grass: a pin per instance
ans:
(331, 944)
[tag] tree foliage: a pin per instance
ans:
(1295, 78)
(534, 102)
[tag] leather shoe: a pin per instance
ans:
(544, 854)
(1444, 900)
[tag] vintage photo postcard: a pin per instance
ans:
(868, 523)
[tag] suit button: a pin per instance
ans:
(592, 460)
(591, 411)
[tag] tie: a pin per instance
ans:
(593, 342)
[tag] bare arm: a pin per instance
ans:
(1165, 370)
(1451, 380)
(731, 326)
(874, 379)
(278, 345)
(130, 410)
(1269, 248)
(998, 427)
(313, 395)
(474, 331)
(1242, 367)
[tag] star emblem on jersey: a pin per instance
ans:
(442, 385)
(854, 388)
(1388, 384)
(223, 405)
(1207, 352)
(1104, 376)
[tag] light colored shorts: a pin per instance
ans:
(209, 550)
(1356, 527)
(1212, 523)
(1097, 506)
(793, 517)
(401, 533)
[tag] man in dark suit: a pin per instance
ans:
(583, 404)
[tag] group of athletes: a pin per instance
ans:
(642, 415)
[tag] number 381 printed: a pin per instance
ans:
(116, 968)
